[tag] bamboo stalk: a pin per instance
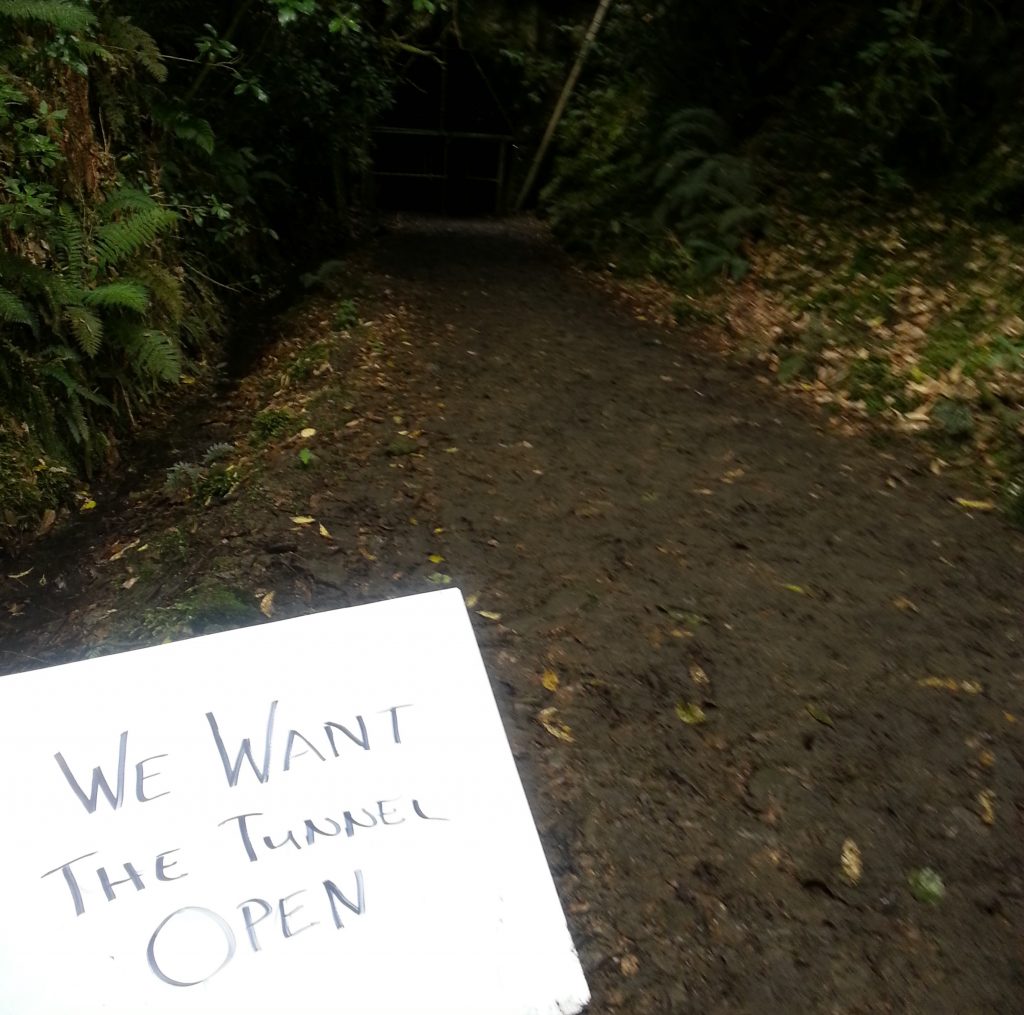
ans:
(563, 100)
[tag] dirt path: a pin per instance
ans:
(671, 541)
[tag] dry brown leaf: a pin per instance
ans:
(324, 532)
(698, 676)
(903, 603)
(550, 680)
(949, 684)
(489, 614)
(850, 860)
(558, 729)
(267, 605)
(303, 520)
(629, 965)
(122, 550)
(129, 582)
(308, 432)
(987, 806)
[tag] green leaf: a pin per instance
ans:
(120, 295)
(87, 329)
(13, 310)
(64, 15)
(926, 886)
(691, 714)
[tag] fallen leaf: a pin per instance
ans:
(986, 758)
(798, 589)
(558, 729)
(550, 680)
(975, 505)
(436, 558)
(439, 579)
(129, 582)
(903, 603)
(987, 806)
(850, 860)
(324, 532)
(21, 574)
(88, 505)
(819, 716)
(438, 531)
(472, 599)
(267, 605)
(308, 432)
(489, 614)
(303, 520)
(692, 715)
(122, 550)
(16, 609)
(629, 965)
(926, 885)
(949, 684)
(698, 676)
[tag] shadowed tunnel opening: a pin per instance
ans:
(447, 145)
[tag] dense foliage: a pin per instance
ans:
(690, 109)
(155, 158)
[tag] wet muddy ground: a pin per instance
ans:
(757, 677)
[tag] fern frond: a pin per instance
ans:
(65, 15)
(217, 453)
(70, 237)
(733, 219)
(120, 295)
(695, 123)
(156, 355)
(86, 327)
(126, 199)
(12, 310)
(139, 44)
(165, 287)
(677, 162)
(117, 241)
(73, 387)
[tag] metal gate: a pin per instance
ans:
(450, 164)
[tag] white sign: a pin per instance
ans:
(318, 815)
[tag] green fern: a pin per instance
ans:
(13, 310)
(120, 295)
(138, 44)
(117, 241)
(127, 199)
(166, 289)
(63, 15)
(155, 355)
(87, 329)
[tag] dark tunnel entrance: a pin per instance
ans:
(446, 145)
